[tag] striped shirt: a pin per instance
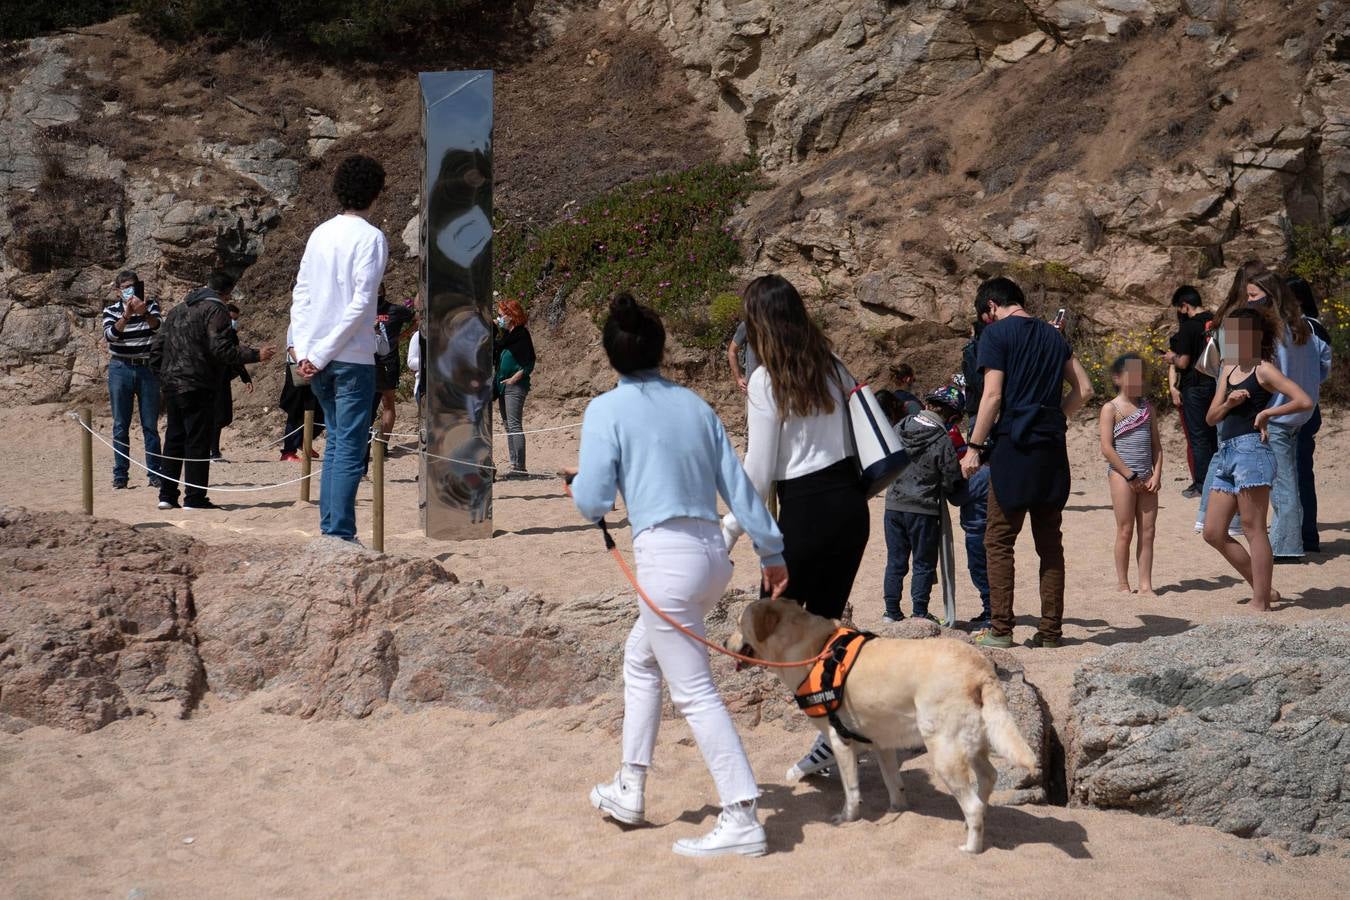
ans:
(134, 338)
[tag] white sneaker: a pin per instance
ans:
(737, 831)
(1199, 527)
(622, 798)
(1235, 531)
(818, 759)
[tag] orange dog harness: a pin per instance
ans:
(822, 690)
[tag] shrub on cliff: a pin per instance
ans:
(336, 28)
(35, 17)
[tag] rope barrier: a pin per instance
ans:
(188, 484)
(500, 433)
(218, 459)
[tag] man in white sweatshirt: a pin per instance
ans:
(333, 330)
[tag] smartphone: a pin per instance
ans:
(139, 288)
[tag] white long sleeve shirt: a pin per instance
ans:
(781, 449)
(335, 297)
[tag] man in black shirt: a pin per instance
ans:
(1194, 389)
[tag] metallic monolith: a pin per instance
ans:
(456, 305)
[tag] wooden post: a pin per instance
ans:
(87, 459)
(377, 500)
(306, 447)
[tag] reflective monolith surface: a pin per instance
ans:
(456, 283)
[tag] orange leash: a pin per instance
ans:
(618, 557)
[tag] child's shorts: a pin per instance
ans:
(1244, 462)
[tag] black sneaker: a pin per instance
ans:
(979, 623)
(1191, 492)
(199, 504)
(154, 481)
(119, 484)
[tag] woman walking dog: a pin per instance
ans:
(665, 449)
(796, 417)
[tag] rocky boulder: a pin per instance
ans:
(95, 622)
(1242, 725)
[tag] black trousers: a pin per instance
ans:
(825, 525)
(187, 433)
(1204, 439)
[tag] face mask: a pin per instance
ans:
(501, 322)
(234, 323)
(128, 292)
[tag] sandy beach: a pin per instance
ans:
(238, 802)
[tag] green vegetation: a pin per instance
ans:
(1322, 258)
(334, 28)
(25, 20)
(665, 239)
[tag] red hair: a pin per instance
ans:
(513, 311)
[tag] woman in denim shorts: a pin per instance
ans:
(1244, 469)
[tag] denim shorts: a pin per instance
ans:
(1243, 462)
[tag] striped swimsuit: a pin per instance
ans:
(1133, 440)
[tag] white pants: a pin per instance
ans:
(682, 565)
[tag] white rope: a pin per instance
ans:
(499, 433)
(188, 484)
(213, 458)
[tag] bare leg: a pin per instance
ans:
(1123, 502)
(1220, 513)
(387, 413)
(890, 773)
(1253, 506)
(1146, 511)
(847, 762)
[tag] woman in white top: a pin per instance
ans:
(799, 446)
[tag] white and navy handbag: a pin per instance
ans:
(876, 446)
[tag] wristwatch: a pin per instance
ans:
(980, 449)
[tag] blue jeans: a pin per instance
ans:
(345, 391)
(974, 506)
(127, 385)
(910, 534)
(1286, 523)
(1307, 480)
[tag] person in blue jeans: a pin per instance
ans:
(333, 310)
(129, 325)
(973, 502)
(1307, 435)
(913, 505)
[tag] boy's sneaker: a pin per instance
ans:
(119, 484)
(199, 504)
(889, 619)
(168, 504)
(979, 623)
(737, 831)
(998, 641)
(819, 758)
(927, 615)
(1191, 492)
(153, 481)
(1040, 640)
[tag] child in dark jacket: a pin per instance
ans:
(913, 502)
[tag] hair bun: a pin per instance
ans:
(626, 311)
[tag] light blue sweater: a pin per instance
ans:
(1306, 366)
(665, 450)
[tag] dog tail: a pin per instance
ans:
(1001, 730)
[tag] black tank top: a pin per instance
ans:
(1241, 419)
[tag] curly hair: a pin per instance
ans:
(514, 312)
(791, 347)
(357, 182)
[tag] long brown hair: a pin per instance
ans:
(1237, 294)
(1285, 306)
(791, 346)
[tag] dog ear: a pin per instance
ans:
(765, 619)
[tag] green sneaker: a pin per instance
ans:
(989, 639)
(1039, 640)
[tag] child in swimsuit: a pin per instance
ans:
(1134, 456)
